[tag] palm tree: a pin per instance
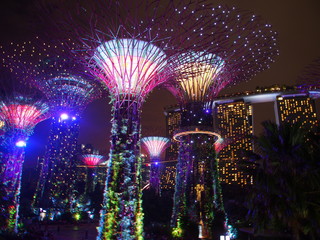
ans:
(286, 191)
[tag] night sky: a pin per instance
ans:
(296, 21)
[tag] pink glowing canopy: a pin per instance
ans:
(22, 116)
(155, 145)
(130, 66)
(92, 160)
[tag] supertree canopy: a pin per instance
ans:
(128, 52)
(130, 66)
(53, 69)
(20, 112)
(91, 161)
(310, 76)
(155, 146)
(239, 45)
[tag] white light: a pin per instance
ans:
(64, 116)
(222, 237)
(21, 143)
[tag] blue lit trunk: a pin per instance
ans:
(56, 183)
(10, 176)
(155, 174)
(122, 209)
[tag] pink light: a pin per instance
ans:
(155, 145)
(130, 66)
(21, 116)
(221, 144)
(91, 160)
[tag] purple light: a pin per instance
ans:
(21, 143)
(74, 118)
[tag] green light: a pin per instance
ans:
(77, 216)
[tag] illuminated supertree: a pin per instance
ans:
(240, 45)
(91, 161)
(155, 146)
(53, 69)
(20, 112)
(128, 53)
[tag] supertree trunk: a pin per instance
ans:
(198, 194)
(11, 178)
(56, 184)
(91, 180)
(155, 175)
(122, 213)
(179, 213)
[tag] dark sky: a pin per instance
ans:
(297, 23)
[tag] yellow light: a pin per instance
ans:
(196, 78)
(177, 136)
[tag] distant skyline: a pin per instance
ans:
(297, 24)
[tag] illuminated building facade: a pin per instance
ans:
(168, 171)
(234, 121)
(296, 108)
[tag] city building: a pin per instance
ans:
(296, 108)
(233, 120)
(168, 170)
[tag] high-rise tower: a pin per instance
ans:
(234, 121)
(296, 108)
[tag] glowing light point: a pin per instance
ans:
(21, 143)
(64, 116)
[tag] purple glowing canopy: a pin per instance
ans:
(53, 68)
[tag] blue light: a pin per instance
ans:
(156, 163)
(21, 143)
(64, 116)
(74, 118)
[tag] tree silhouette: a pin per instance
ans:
(285, 194)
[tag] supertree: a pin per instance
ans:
(128, 53)
(20, 110)
(155, 146)
(241, 45)
(91, 161)
(53, 69)
(310, 76)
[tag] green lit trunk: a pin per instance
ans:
(122, 210)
